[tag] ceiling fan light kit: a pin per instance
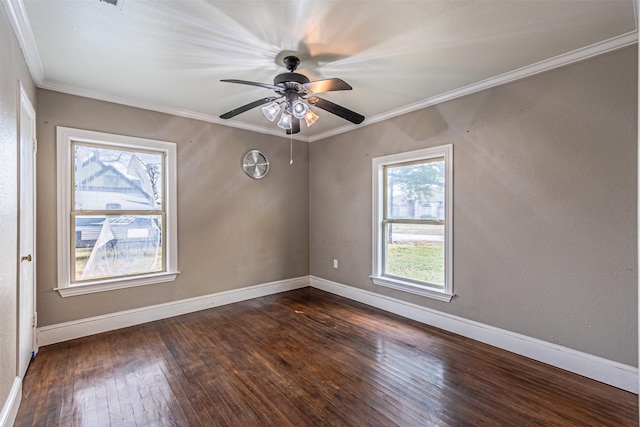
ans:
(300, 109)
(310, 118)
(294, 92)
(271, 111)
(285, 121)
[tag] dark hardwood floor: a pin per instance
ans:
(304, 358)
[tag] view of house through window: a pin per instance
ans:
(117, 212)
(414, 221)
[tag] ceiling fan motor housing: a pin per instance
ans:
(290, 77)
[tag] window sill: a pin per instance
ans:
(413, 288)
(110, 285)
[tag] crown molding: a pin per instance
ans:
(577, 55)
(20, 22)
(101, 96)
(22, 29)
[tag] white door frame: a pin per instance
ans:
(26, 286)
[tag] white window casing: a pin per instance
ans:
(379, 277)
(66, 139)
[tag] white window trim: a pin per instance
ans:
(423, 289)
(65, 136)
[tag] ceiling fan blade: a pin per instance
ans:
(327, 85)
(295, 126)
(245, 82)
(247, 107)
(336, 109)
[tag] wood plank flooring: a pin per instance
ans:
(304, 358)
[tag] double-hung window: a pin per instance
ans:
(412, 227)
(116, 211)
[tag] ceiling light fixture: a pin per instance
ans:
(271, 111)
(285, 121)
(300, 109)
(310, 118)
(295, 93)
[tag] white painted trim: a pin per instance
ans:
(22, 29)
(12, 404)
(64, 144)
(84, 327)
(594, 367)
(130, 102)
(378, 247)
(636, 10)
(102, 286)
(577, 55)
(22, 363)
(412, 288)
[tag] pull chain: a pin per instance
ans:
(291, 148)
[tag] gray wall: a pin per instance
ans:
(12, 69)
(233, 231)
(545, 204)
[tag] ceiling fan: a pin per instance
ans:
(294, 94)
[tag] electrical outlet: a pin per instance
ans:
(335, 263)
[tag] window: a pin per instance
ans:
(412, 227)
(116, 211)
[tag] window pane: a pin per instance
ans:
(114, 179)
(415, 251)
(415, 191)
(116, 245)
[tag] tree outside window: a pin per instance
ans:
(412, 243)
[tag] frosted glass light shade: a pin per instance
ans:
(310, 118)
(271, 111)
(285, 121)
(299, 109)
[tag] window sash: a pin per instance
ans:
(381, 220)
(66, 138)
(74, 213)
(413, 221)
(107, 145)
(385, 181)
(112, 213)
(385, 267)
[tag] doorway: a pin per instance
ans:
(26, 232)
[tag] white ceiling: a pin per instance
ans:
(398, 55)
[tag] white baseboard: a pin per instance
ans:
(11, 405)
(93, 325)
(594, 367)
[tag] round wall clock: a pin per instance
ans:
(255, 164)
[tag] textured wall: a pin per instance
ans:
(545, 204)
(12, 69)
(233, 231)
